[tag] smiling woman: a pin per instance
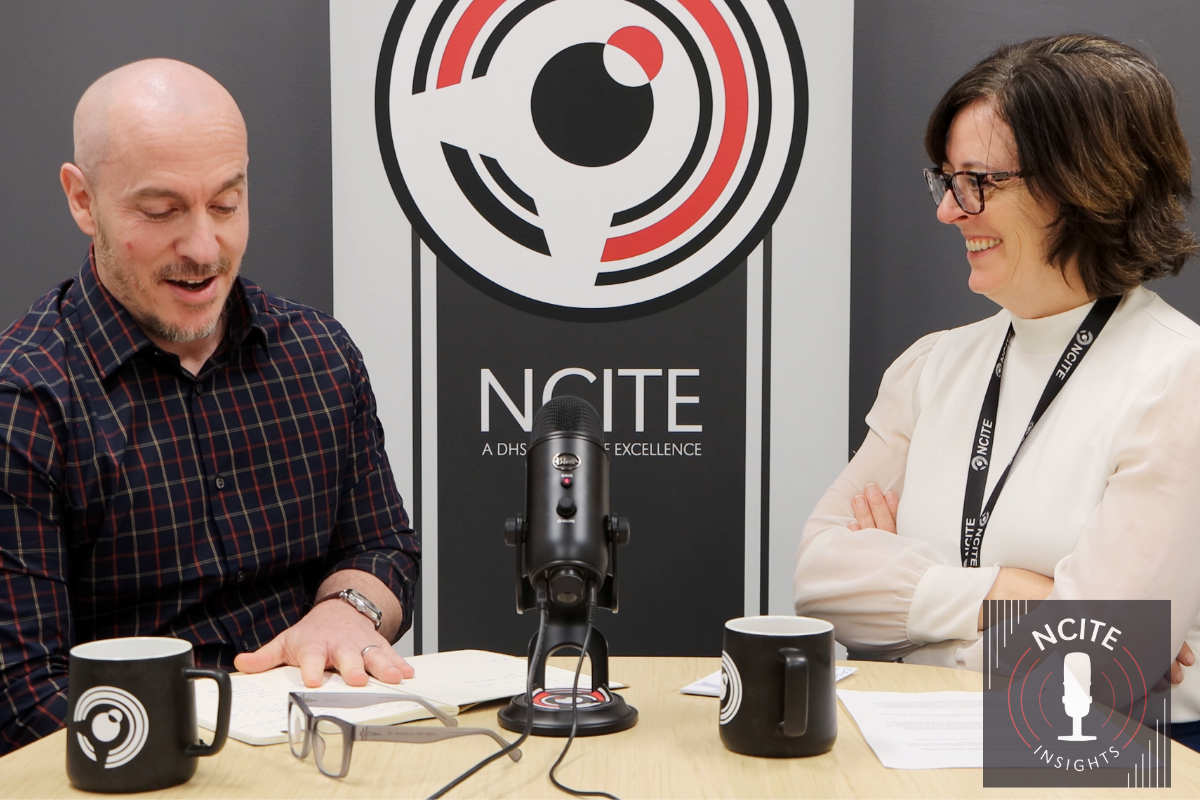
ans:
(1069, 422)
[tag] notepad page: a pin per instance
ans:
(259, 708)
(465, 677)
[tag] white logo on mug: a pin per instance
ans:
(116, 726)
(731, 688)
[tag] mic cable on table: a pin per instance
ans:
(543, 604)
(591, 615)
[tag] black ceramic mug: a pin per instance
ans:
(131, 714)
(777, 687)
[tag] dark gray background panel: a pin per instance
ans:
(682, 573)
(909, 271)
(272, 55)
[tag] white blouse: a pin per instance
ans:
(1104, 495)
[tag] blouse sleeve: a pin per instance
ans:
(1142, 541)
(866, 582)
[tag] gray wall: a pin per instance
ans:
(272, 55)
(909, 272)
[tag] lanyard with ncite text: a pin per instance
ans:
(975, 513)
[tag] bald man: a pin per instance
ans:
(184, 454)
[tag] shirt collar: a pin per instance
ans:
(113, 336)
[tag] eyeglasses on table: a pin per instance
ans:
(331, 740)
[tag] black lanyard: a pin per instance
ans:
(975, 514)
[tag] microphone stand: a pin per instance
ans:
(599, 710)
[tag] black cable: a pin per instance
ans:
(575, 706)
(537, 652)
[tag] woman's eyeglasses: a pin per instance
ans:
(331, 739)
(966, 186)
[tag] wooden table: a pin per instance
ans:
(673, 752)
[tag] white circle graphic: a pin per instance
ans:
(591, 158)
(731, 689)
(125, 712)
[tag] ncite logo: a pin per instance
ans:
(591, 159)
(116, 726)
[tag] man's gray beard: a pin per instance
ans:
(149, 322)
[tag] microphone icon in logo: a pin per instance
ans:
(1077, 693)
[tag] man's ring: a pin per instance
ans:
(363, 652)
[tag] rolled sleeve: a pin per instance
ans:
(372, 533)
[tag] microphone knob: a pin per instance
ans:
(514, 531)
(566, 506)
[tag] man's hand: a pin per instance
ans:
(875, 509)
(335, 635)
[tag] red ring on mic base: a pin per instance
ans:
(600, 712)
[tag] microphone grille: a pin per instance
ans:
(567, 414)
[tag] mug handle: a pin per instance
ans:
(224, 703)
(795, 692)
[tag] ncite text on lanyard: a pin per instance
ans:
(975, 514)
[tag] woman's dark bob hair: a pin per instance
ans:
(1097, 138)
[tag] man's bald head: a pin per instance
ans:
(157, 97)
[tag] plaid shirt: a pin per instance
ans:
(138, 500)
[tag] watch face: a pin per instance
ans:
(363, 605)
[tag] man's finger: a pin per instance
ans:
(313, 660)
(264, 658)
(879, 509)
(348, 660)
(384, 663)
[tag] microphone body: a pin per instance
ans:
(567, 506)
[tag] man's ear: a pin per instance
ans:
(79, 197)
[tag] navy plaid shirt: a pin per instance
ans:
(136, 500)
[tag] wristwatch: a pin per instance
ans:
(361, 604)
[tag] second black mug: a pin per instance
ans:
(777, 687)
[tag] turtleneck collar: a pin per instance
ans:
(1047, 334)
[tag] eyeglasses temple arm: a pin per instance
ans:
(424, 734)
(360, 700)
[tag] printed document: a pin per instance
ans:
(920, 730)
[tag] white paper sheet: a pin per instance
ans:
(710, 685)
(920, 730)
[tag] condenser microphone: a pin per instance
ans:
(566, 545)
(566, 501)
(1077, 693)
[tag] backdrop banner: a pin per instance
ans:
(591, 187)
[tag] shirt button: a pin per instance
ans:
(245, 645)
(241, 576)
(220, 483)
(199, 388)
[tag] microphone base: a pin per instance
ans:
(599, 712)
(1077, 738)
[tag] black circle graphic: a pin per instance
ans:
(582, 114)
